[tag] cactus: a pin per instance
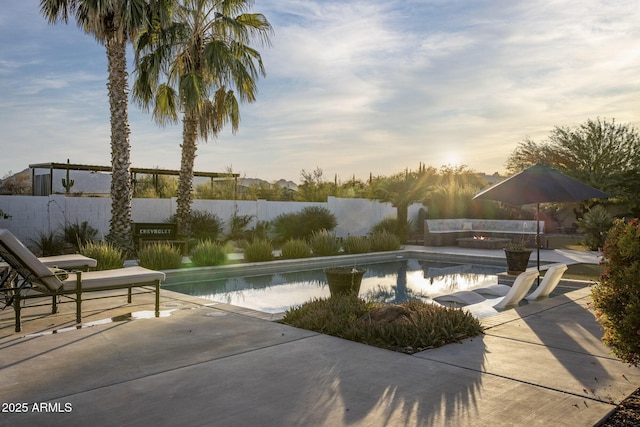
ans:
(67, 183)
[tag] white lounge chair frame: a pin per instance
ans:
(30, 278)
(549, 282)
(519, 289)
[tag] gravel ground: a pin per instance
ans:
(627, 413)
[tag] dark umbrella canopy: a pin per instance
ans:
(540, 184)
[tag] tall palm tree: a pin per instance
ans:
(196, 67)
(113, 23)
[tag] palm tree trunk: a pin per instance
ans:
(185, 184)
(120, 224)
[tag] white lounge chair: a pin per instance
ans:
(460, 298)
(496, 290)
(549, 282)
(519, 289)
(33, 279)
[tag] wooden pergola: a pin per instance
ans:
(154, 172)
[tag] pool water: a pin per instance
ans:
(389, 282)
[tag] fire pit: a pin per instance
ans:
(482, 242)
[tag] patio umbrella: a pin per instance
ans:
(540, 184)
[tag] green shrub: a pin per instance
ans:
(428, 325)
(107, 254)
(616, 298)
(390, 225)
(78, 234)
(303, 224)
(160, 256)
(208, 253)
(324, 243)
(204, 225)
(357, 245)
(49, 244)
(296, 248)
(384, 241)
(238, 225)
(594, 224)
(258, 250)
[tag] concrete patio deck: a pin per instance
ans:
(209, 364)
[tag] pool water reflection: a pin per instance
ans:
(388, 282)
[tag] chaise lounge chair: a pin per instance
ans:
(65, 262)
(549, 282)
(519, 289)
(511, 297)
(31, 278)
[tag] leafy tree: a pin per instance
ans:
(191, 67)
(156, 186)
(314, 188)
(597, 152)
(113, 23)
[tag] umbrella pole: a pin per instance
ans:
(538, 241)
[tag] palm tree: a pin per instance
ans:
(113, 23)
(192, 68)
(403, 189)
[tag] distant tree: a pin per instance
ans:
(314, 188)
(403, 189)
(155, 186)
(452, 195)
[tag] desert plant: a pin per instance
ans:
(238, 225)
(594, 224)
(384, 241)
(204, 225)
(49, 244)
(79, 234)
(296, 248)
(390, 225)
(426, 325)
(324, 243)
(207, 253)
(4, 215)
(107, 254)
(303, 224)
(258, 250)
(160, 256)
(616, 298)
(357, 245)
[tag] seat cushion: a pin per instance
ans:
(114, 279)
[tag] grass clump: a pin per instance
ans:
(160, 256)
(384, 241)
(296, 248)
(420, 326)
(106, 254)
(208, 253)
(357, 245)
(324, 243)
(258, 250)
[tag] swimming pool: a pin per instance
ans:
(390, 281)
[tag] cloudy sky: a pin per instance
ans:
(352, 87)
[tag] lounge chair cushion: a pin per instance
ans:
(461, 298)
(116, 278)
(39, 272)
